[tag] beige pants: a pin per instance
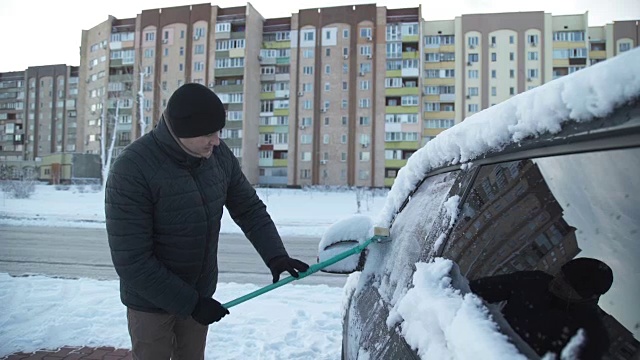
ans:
(163, 336)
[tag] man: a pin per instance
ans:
(163, 202)
(548, 311)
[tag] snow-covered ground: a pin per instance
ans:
(291, 322)
(295, 212)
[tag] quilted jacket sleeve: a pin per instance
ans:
(129, 219)
(250, 213)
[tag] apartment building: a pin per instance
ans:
(329, 96)
(328, 112)
(612, 39)
(51, 113)
(343, 95)
(108, 91)
(477, 61)
(12, 121)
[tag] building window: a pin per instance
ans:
(309, 35)
(622, 47)
(532, 55)
(494, 57)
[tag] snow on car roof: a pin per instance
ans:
(591, 93)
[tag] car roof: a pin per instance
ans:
(591, 106)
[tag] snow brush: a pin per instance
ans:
(380, 235)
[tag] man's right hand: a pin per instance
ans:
(208, 311)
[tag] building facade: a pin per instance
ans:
(328, 96)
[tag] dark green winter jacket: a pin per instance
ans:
(163, 209)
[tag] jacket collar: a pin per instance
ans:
(171, 146)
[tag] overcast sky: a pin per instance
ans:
(44, 32)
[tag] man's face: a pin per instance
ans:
(202, 145)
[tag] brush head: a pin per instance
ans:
(381, 234)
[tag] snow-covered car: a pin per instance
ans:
(522, 187)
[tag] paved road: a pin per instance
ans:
(78, 252)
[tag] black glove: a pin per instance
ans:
(282, 263)
(208, 311)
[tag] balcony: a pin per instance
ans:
(267, 96)
(402, 145)
(280, 112)
(413, 72)
(439, 115)
(283, 60)
(121, 78)
(402, 109)
(432, 132)
(265, 162)
(276, 45)
(396, 163)
(393, 73)
(229, 72)
(267, 60)
(283, 77)
(235, 88)
(238, 35)
(267, 77)
(410, 55)
(282, 94)
(447, 97)
(280, 162)
(236, 53)
(402, 91)
(410, 38)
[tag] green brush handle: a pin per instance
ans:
(312, 269)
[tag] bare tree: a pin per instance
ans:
(106, 155)
(360, 192)
(142, 122)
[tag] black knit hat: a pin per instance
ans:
(588, 276)
(194, 110)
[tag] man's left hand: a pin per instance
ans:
(279, 264)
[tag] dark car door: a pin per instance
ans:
(524, 219)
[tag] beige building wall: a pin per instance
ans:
(251, 122)
(92, 86)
